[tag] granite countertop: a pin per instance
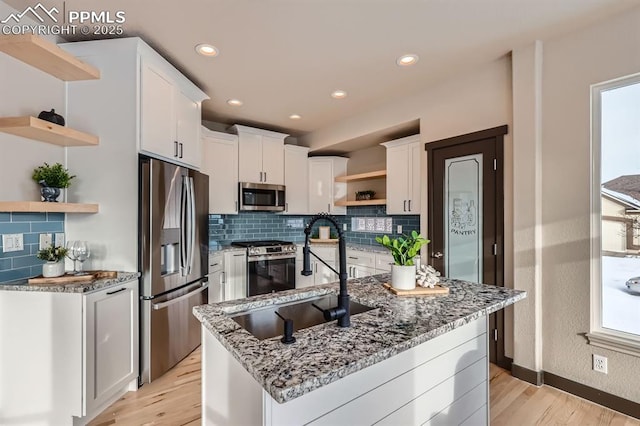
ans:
(325, 353)
(374, 248)
(225, 248)
(85, 287)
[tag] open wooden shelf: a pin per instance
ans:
(45, 131)
(42, 207)
(375, 202)
(362, 176)
(48, 57)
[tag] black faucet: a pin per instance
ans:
(340, 312)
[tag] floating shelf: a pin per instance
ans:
(362, 176)
(45, 131)
(42, 207)
(376, 202)
(48, 57)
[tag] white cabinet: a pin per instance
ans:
(111, 342)
(261, 155)
(383, 263)
(403, 175)
(321, 274)
(235, 275)
(360, 264)
(169, 118)
(323, 190)
(220, 162)
(296, 179)
(73, 355)
(216, 286)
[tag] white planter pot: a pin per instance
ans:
(53, 269)
(403, 277)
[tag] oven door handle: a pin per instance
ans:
(162, 305)
(270, 257)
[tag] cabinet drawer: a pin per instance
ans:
(215, 262)
(326, 253)
(384, 262)
(361, 258)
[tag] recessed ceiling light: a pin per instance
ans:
(295, 116)
(206, 49)
(406, 60)
(339, 94)
(234, 102)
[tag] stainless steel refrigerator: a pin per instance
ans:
(173, 256)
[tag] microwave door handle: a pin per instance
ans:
(183, 223)
(193, 223)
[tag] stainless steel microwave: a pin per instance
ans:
(261, 197)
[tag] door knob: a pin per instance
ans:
(437, 255)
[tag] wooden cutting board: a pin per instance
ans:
(418, 291)
(69, 278)
(318, 240)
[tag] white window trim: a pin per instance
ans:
(599, 336)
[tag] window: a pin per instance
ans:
(615, 269)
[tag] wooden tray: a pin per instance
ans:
(318, 240)
(418, 291)
(69, 278)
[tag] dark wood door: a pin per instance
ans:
(466, 215)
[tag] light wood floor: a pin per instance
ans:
(174, 399)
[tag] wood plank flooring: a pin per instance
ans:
(174, 400)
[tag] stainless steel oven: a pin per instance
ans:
(270, 266)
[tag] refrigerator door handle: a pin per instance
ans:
(162, 305)
(183, 222)
(192, 221)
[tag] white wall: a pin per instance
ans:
(477, 99)
(571, 64)
(25, 90)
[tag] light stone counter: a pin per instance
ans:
(85, 287)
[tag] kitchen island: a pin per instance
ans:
(410, 360)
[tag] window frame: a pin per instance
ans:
(598, 335)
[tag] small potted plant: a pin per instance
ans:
(54, 256)
(403, 249)
(51, 179)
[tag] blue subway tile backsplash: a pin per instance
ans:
(24, 264)
(224, 229)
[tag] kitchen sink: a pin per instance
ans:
(264, 323)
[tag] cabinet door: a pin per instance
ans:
(323, 274)
(157, 121)
(273, 160)
(413, 178)
(188, 122)
(397, 179)
(220, 162)
(359, 271)
(235, 275)
(250, 158)
(320, 185)
(216, 287)
(303, 281)
(111, 338)
(296, 179)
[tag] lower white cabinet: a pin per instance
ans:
(111, 342)
(216, 286)
(321, 274)
(68, 356)
(235, 275)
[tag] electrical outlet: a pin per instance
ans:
(600, 363)
(60, 239)
(344, 226)
(12, 242)
(45, 241)
(399, 229)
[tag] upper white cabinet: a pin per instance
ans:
(323, 190)
(169, 118)
(261, 155)
(403, 175)
(296, 179)
(220, 162)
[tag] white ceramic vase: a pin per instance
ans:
(403, 277)
(53, 269)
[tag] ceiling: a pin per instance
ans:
(282, 57)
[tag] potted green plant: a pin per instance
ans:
(51, 179)
(54, 256)
(403, 249)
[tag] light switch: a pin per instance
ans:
(399, 229)
(45, 241)
(60, 239)
(12, 242)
